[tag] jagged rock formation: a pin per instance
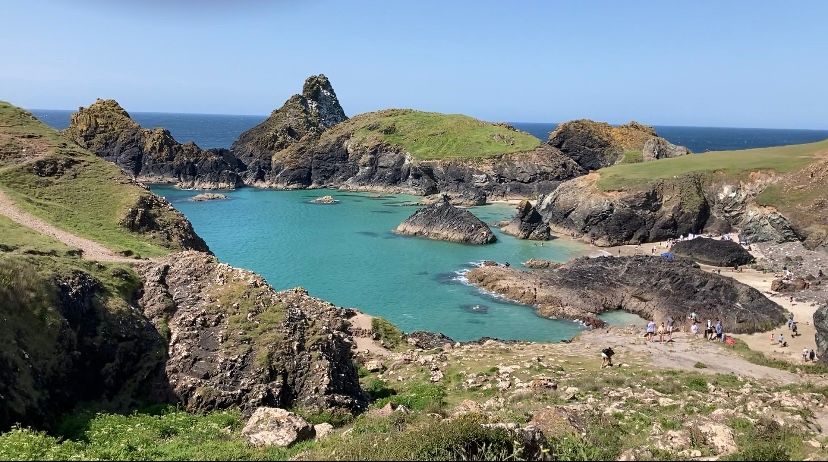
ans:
(713, 252)
(302, 116)
(234, 341)
(648, 286)
(527, 224)
(446, 222)
(150, 155)
(155, 217)
(658, 211)
(595, 145)
(68, 338)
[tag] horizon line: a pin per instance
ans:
(264, 116)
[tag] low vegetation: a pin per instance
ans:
(432, 136)
(780, 159)
(389, 334)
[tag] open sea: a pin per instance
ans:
(346, 253)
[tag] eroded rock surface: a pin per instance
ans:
(446, 222)
(527, 224)
(715, 252)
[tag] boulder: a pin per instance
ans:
(323, 430)
(444, 221)
(715, 252)
(659, 148)
(527, 223)
(428, 340)
(209, 197)
(325, 200)
(557, 422)
(765, 225)
(269, 426)
(538, 263)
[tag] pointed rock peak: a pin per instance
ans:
(322, 101)
(106, 106)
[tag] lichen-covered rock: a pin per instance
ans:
(716, 252)
(235, 342)
(594, 145)
(765, 225)
(446, 222)
(648, 286)
(527, 224)
(151, 155)
(270, 426)
(154, 216)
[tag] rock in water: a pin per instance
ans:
(647, 286)
(325, 200)
(209, 197)
(269, 426)
(713, 252)
(527, 224)
(236, 342)
(446, 222)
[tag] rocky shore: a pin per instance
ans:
(650, 287)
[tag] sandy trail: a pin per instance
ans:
(362, 323)
(91, 250)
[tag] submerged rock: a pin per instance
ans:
(325, 200)
(444, 221)
(527, 223)
(209, 197)
(713, 252)
(650, 287)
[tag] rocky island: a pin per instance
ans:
(716, 252)
(446, 222)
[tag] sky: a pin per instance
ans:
(703, 63)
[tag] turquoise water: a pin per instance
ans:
(346, 253)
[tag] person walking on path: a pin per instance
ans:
(719, 331)
(651, 329)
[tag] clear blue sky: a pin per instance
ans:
(711, 63)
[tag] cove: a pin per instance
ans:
(346, 253)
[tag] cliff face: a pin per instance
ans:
(150, 155)
(583, 288)
(594, 145)
(446, 222)
(302, 116)
(234, 341)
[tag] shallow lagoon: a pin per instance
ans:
(347, 253)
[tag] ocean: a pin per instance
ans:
(219, 131)
(347, 253)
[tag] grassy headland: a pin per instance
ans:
(67, 186)
(434, 136)
(738, 163)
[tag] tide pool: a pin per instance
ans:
(346, 253)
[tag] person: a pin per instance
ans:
(782, 341)
(812, 355)
(806, 354)
(719, 331)
(821, 274)
(670, 326)
(606, 357)
(694, 317)
(651, 328)
(708, 332)
(661, 331)
(793, 330)
(790, 321)
(695, 328)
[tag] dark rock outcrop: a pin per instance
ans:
(446, 222)
(658, 211)
(66, 339)
(713, 252)
(155, 217)
(302, 116)
(648, 286)
(527, 224)
(235, 342)
(151, 155)
(594, 145)
(428, 340)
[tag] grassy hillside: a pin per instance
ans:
(781, 159)
(67, 186)
(431, 135)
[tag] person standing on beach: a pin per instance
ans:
(651, 328)
(661, 331)
(671, 323)
(719, 331)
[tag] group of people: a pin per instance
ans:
(662, 330)
(713, 331)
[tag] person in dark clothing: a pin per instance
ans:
(606, 357)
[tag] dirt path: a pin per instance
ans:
(91, 249)
(362, 323)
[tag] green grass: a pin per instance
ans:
(432, 136)
(18, 238)
(391, 336)
(737, 163)
(165, 435)
(633, 157)
(88, 198)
